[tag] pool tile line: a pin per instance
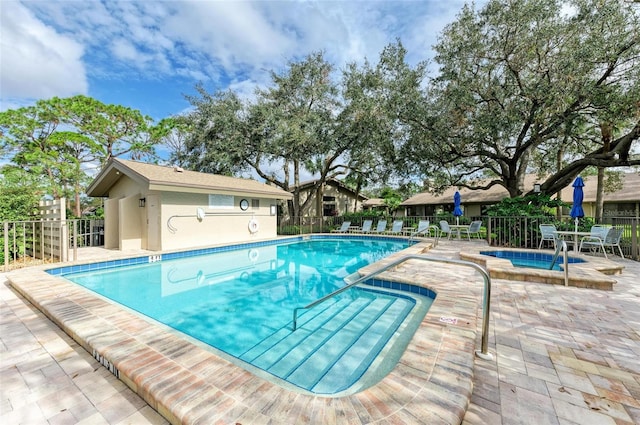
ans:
(425, 378)
(152, 257)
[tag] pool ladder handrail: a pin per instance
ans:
(483, 353)
(561, 246)
(436, 235)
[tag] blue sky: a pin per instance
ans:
(148, 54)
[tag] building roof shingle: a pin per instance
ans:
(173, 179)
(630, 192)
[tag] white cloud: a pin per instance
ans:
(36, 61)
(233, 34)
(124, 50)
(49, 47)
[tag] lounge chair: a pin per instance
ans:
(473, 229)
(548, 233)
(344, 228)
(611, 239)
(445, 229)
(380, 227)
(396, 228)
(366, 227)
(423, 228)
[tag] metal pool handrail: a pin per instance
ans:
(486, 305)
(436, 235)
(562, 247)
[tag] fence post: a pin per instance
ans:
(75, 240)
(489, 231)
(635, 249)
(42, 241)
(6, 246)
(33, 240)
(24, 243)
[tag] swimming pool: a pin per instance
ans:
(533, 260)
(240, 301)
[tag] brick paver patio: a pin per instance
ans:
(561, 356)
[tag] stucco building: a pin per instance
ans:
(624, 202)
(165, 208)
(331, 198)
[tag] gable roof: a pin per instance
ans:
(174, 179)
(491, 196)
(374, 202)
(629, 193)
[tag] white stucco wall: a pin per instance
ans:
(219, 226)
(111, 227)
(129, 226)
(130, 222)
(124, 219)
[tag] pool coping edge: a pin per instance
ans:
(433, 379)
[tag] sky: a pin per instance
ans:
(149, 54)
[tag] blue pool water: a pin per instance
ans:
(535, 260)
(241, 302)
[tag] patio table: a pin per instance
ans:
(457, 227)
(565, 233)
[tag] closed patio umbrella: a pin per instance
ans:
(576, 210)
(457, 211)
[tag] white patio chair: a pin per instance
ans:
(396, 228)
(611, 239)
(445, 229)
(366, 227)
(597, 233)
(548, 233)
(344, 228)
(423, 228)
(380, 227)
(473, 229)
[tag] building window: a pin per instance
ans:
(329, 210)
(255, 204)
(221, 201)
(329, 206)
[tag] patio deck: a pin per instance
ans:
(562, 356)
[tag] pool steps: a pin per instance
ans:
(328, 349)
(432, 381)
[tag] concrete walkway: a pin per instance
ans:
(562, 356)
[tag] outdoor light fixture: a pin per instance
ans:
(142, 202)
(536, 187)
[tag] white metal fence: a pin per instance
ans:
(514, 232)
(25, 243)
